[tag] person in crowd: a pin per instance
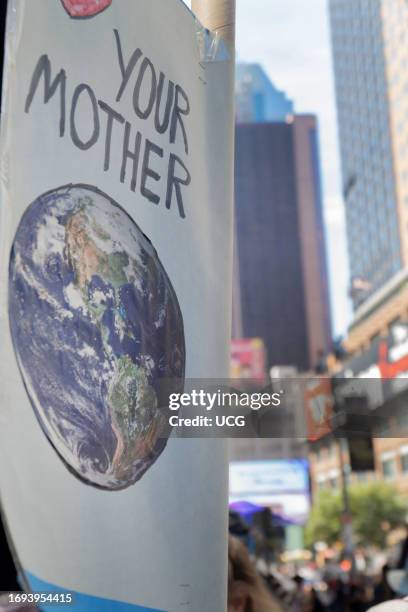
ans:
(403, 555)
(382, 590)
(358, 598)
(397, 580)
(7, 607)
(337, 603)
(315, 604)
(301, 598)
(246, 589)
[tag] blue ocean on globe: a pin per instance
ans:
(98, 334)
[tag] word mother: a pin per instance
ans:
(154, 97)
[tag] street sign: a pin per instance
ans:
(248, 359)
(318, 402)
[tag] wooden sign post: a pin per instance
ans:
(217, 15)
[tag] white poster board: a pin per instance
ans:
(116, 217)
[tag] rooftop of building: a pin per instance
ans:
(258, 99)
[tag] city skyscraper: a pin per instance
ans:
(370, 54)
(280, 245)
(256, 98)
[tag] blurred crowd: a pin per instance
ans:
(252, 588)
(263, 583)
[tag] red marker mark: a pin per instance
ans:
(85, 8)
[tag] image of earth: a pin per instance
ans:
(98, 334)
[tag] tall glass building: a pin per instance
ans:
(281, 267)
(370, 55)
(257, 100)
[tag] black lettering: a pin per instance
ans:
(177, 117)
(43, 68)
(143, 114)
(161, 126)
(175, 182)
(112, 116)
(147, 171)
(128, 154)
(125, 72)
(84, 144)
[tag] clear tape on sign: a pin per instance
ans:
(212, 47)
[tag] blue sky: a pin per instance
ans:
(291, 39)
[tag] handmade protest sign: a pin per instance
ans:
(116, 208)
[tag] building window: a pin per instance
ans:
(334, 483)
(389, 468)
(384, 428)
(403, 421)
(404, 464)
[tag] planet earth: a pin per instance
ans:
(98, 334)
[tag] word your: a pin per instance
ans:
(154, 98)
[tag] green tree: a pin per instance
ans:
(324, 521)
(376, 508)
